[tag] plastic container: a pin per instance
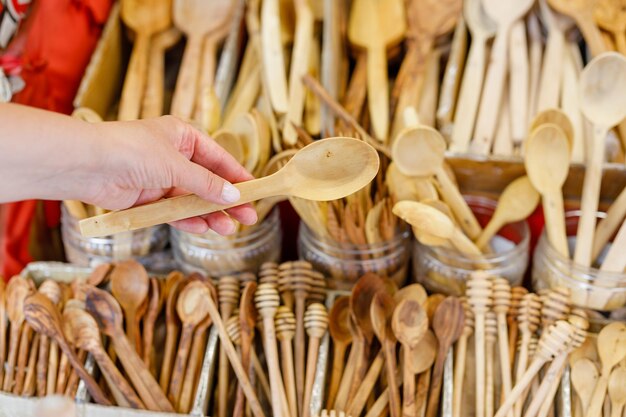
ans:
(217, 255)
(589, 287)
(445, 271)
(83, 251)
(344, 264)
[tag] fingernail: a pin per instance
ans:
(230, 194)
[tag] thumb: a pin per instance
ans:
(209, 186)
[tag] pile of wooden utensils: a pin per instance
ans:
(531, 331)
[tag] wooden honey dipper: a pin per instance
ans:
(285, 331)
(244, 278)
(267, 301)
(528, 320)
(491, 337)
(542, 400)
(318, 287)
(460, 358)
(284, 284)
(228, 296)
(479, 293)
(516, 297)
(552, 343)
(556, 306)
(51, 290)
(501, 306)
(316, 324)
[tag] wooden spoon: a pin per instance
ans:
(448, 323)
(518, 200)
(155, 304)
(17, 291)
(611, 349)
(381, 310)
(173, 285)
(376, 26)
(271, 50)
(339, 319)
(547, 165)
(145, 18)
(198, 20)
(557, 117)
(602, 105)
(582, 12)
(482, 28)
(420, 151)
(607, 227)
(433, 222)
(87, 337)
(410, 324)
(617, 390)
(610, 16)
(51, 290)
(319, 171)
(130, 285)
(108, 314)
(44, 318)
(584, 376)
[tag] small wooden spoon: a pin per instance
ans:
(44, 318)
(145, 18)
(420, 151)
(51, 290)
(547, 164)
(584, 376)
(16, 292)
(518, 200)
(173, 285)
(130, 285)
(108, 314)
(198, 20)
(410, 324)
(611, 349)
(617, 390)
(433, 222)
(339, 319)
(558, 118)
(602, 105)
(447, 323)
(318, 171)
(155, 304)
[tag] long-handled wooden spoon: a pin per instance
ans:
(155, 303)
(44, 318)
(173, 285)
(617, 390)
(145, 18)
(320, 171)
(108, 314)
(338, 325)
(17, 291)
(604, 107)
(316, 323)
(582, 13)
(518, 200)
(129, 285)
(584, 376)
(547, 164)
(610, 16)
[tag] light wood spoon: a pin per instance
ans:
(129, 285)
(145, 18)
(173, 285)
(272, 56)
(582, 12)
(320, 171)
(611, 349)
(610, 16)
(420, 151)
(338, 325)
(518, 200)
(584, 376)
(600, 83)
(547, 165)
(617, 390)
(16, 292)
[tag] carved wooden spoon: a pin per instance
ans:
(338, 323)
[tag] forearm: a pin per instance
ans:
(44, 155)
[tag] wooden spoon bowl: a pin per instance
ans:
(600, 85)
(409, 323)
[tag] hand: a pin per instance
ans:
(150, 159)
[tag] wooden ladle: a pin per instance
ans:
(410, 324)
(87, 337)
(145, 18)
(602, 104)
(518, 200)
(130, 285)
(108, 314)
(419, 151)
(611, 349)
(547, 165)
(338, 325)
(325, 170)
(44, 318)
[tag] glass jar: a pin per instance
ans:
(345, 263)
(589, 287)
(445, 271)
(83, 251)
(218, 255)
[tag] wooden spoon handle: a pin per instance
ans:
(620, 42)
(615, 260)
(366, 385)
(53, 367)
(42, 365)
(289, 376)
(459, 374)
(409, 406)
(115, 379)
(570, 101)
(378, 90)
(518, 81)
(14, 342)
(452, 196)
(168, 357)
(345, 384)
(300, 348)
(187, 82)
(22, 358)
(421, 393)
(311, 363)
(31, 375)
(553, 375)
(180, 364)
(519, 388)
(490, 99)
(607, 227)
(272, 53)
(177, 208)
(395, 406)
(469, 96)
(92, 386)
(488, 233)
(592, 35)
(195, 356)
(63, 374)
(591, 192)
(135, 82)
(72, 382)
(435, 385)
(339, 353)
(555, 221)
(503, 350)
(550, 83)
(479, 340)
(207, 78)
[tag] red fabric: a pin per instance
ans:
(53, 48)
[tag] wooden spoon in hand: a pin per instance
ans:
(325, 170)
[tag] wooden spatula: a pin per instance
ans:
(145, 18)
